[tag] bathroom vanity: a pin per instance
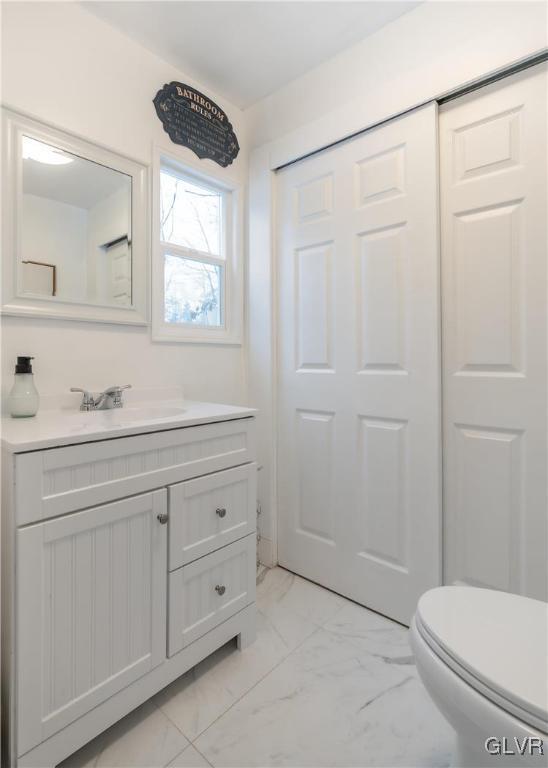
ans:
(129, 555)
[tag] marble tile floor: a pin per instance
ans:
(327, 683)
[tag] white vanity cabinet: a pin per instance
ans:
(126, 561)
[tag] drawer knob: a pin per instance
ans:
(220, 589)
(162, 518)
(221, 511)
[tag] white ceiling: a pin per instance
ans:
(82, 183)
(246, 50)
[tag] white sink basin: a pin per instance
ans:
(127, 415)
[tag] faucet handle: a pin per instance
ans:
(115, 388)
(88, 402)
(114, 394)
(85, 392)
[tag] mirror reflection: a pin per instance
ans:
(75, 227)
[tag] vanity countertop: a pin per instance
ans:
(54, 428)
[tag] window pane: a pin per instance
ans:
(192, 291)
(191, 215)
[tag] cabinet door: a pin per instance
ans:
(91, 610)
(210, 591)
(210, 512)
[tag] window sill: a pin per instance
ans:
(177, 336)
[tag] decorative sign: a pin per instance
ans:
(196, 122)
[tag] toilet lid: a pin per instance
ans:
(500, 639)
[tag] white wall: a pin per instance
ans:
(55, 233)
(62, 65)
(428, 51)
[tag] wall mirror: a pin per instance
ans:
(74, 227)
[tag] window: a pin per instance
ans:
(197, 279)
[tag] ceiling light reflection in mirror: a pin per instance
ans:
(44, 153)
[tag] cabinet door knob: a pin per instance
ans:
(220, 589)
(162, 518)
(221, 511)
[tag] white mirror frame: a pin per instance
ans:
(14, 302)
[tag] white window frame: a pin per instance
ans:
(232, 285)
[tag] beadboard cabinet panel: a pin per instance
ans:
(209, 591)
(210, 512)
(60, 480)
(91, 599)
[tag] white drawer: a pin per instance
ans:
(210, 512)
(60, 480)
(209, 591)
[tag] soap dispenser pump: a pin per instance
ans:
(23, 398)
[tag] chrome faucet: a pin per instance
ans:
(111, 397)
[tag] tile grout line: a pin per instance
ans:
(318, 627)
(188, 746)
(237, 701)
(202, 754)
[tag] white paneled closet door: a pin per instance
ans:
(359, 451)
(493, 193)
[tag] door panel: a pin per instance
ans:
(493, 196)
(314, 295)
(359, 424)
(488, 466)
(381, 283)
(91, 610)
(315, 459)
(383, 506)
(487, 266)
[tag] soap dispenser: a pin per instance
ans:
(23, 398)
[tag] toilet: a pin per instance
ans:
(483, 658)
